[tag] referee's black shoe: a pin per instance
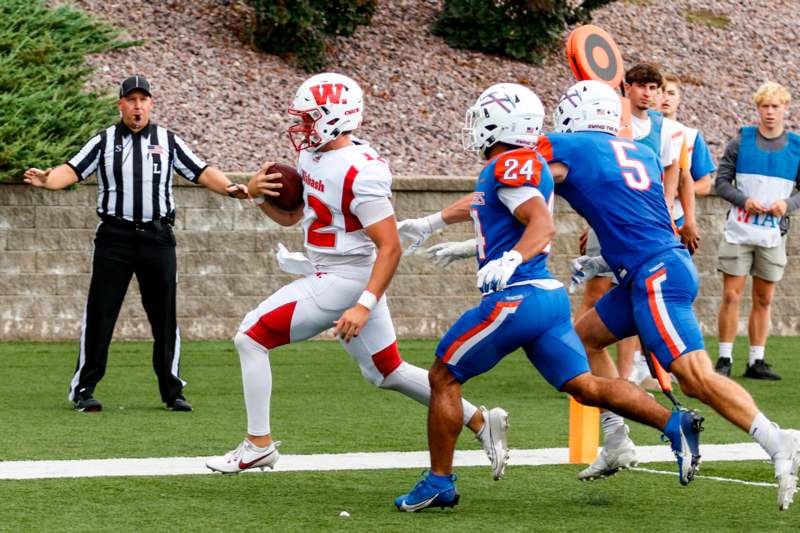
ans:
(179, 404)
(85, 403)
(761, 370)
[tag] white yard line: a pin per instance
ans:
(177, 466)
(713, 478)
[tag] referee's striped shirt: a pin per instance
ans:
(135, 170)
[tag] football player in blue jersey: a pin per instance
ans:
(616, 185)
(523, 306)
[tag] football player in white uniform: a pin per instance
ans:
(352, 251)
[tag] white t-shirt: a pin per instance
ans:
(671, 137)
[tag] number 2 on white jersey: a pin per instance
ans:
(633, 170)
(324, 219)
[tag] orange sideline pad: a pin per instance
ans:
(592, 54)
(584, 432)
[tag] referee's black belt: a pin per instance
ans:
(155, 226)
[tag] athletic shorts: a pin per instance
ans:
(534, 319)
(656, 303)
(751, 260)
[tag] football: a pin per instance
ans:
(291, 194)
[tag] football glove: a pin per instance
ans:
(444, 253)
(585, 268)
(418, 230)
(495, 274)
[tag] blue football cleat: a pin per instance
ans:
(683, 431)
(429, 492)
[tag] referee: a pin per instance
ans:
(135, 162)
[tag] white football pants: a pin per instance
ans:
(305, 308)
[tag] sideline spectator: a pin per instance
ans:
(757, 174)
(696, 157)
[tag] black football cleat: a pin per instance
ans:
(761, 370)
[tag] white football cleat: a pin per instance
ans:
(493, 437)
(245, 457)
(787, 462)
(612, 460)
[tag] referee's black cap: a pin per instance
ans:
(133, 83)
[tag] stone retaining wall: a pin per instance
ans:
(226, 264)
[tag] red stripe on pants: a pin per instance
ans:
(272, 329)
(388, 359)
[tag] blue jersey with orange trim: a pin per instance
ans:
(497, 230)
(616, 185)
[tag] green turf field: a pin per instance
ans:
(321, 404)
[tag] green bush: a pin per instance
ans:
(300, 28)
(45, 115)
(522, 29)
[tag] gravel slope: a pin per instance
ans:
(229, 100)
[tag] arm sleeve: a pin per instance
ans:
(373, 211)
(727, 174)
(373, 182)
(794, 200)
(85, 162)
(186, 163)
(513, 197)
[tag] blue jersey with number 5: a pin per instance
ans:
(497, 230)
(616, 185)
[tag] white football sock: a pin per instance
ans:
(413, 382)
(257, 383)
(726, 350)
(611, 422)
(640, 371)
(756, 354)
(766, 434)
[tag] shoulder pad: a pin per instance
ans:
(545, 147)
(518, 167)
(371, 155)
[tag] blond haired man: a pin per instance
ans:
(758, 174)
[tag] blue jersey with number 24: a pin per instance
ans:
(497, 230)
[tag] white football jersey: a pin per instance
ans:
(689, 136)
(335, 183)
